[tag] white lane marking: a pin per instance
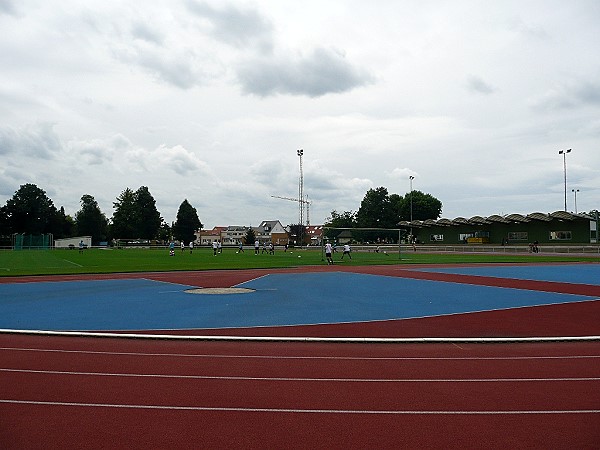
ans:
(347, 380)
(71, 262)
(349, 358)
(297, 411)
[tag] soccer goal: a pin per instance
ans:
(375, 240)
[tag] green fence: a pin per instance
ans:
(32, 241)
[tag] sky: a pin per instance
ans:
(209, 101)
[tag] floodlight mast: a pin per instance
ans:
(564, 153)
(300, 153)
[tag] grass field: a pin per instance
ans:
(48, 262)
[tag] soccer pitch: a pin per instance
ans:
(60, 262)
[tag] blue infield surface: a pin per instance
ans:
(276, 300)
(580, 273)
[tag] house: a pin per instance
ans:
(314, 234)
(207, 237)
(271, 231)
(233, 235)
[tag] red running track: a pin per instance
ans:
(58, 392)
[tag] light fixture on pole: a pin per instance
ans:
(575, 191)
(564, 153)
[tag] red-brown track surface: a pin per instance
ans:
(59, 393)
(66, 392)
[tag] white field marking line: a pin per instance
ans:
(291, 410)
(360, 340)
(328, 358)
(303, 379)
(251, 280)
(71, 262)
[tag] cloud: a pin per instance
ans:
(178, 159)
(237, 27)
(179, 67)
(478, 86)
(402, 173)
(568, 96)
(36, 141)
(322, 72)
(8, 7)
(145, 32)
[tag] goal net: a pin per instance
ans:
(372, 240)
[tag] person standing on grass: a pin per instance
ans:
(220, 247)
(81, 246)
(172, 248)
(347, 251)
(191, 247)
(241, 250)
(214, 246)
(328, 251)
(256, 247)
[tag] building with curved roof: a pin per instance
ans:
(556, 228)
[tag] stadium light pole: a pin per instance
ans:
(564, 153)
(575, 191)
(411, 178)
(300, 153)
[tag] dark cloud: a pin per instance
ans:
(39, 141)
(322, 72)
(146, 33)
(176, 69)
(479, 86)
(584, 93)
(235, 26)
(8, 7)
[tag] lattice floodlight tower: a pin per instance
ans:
(300, 153)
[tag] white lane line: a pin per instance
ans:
(338, 380)
(296, 411)
(343, 358)
(71, 262)
(305, 339)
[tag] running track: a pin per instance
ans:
(59, 392)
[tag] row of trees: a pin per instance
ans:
(135, 216)
(379, 209)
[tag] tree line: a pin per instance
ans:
(379, 209)
(135, 216)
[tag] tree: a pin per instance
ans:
(90, 220)
(187, 223)
(124, 218)
(164, 233)
(136, 215)
(64, 225)
(250, 236)
(424, 206)
(376, 210)
(298, 233)
(30, 211)
(347, 219)
(148, 220)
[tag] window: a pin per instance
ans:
(436, 237)
(517, 236)
(560, 235)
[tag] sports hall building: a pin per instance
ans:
(559, 227)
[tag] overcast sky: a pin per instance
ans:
(210, 100)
